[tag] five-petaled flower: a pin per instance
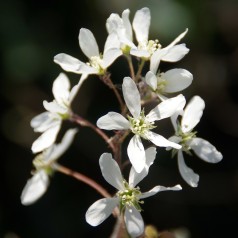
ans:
(146, 49)
(128, 198)
(49, 122)
(186, 137)
(139, 123)
(44, 164)
(98, 63)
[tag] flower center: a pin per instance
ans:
(40, 163)
(129, 197)
(96, 62)
(150, 46)
(140, 125)
(185, 139)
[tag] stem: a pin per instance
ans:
(82, 178)
(119, 230)
(138, 74)
(107, 80)
(129, 60)
(83, 122)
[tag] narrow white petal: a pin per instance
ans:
(177, 80)
(192, 113)
(205, 150)
(136, 153)
(112, 42)
(110, 56)
(134, 222)
(100, 210)
(131, 96)
(88, 43)
(113, 121)
(187, 173)
(46, 139)
(35, 188)
(61, 87)
(58, 149)
(161, 141)
(141, 24)
(134, 177)
(140, 53)
(111, 171)
(175, 53)
(55, 108)
(151, 80)
(175, 139)
(155, 59)
(178, 38)
(166, 108)
(127, 23)
(76, 88)
(69, 63)
(38, 120)
(159, 188)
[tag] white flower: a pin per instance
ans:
(49, 123)
(121, 26)
(128, 197)
(172, 81)
(186, 137)
(140, 124)
(37, 185)
(98, 63)
(171, 53)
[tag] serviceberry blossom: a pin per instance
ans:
(49, 123)
(44, 164)
(146, 49)
(139, 123)
(186, 137)
(171, 81)
(128, 198)
(98, 63)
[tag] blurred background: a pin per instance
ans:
(33, 32)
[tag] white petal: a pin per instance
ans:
(55, 108)
(161, 141)
(112, 42)
(100, 210)
(134, 222)
(175, 53)
(140, 53)
(151, 80)
(76, 88)
(159, 188)
(113, 121)
(58, 149)
(110, 56)
(46, 139)
(40, 119)
(127, 23)
(69, 63)
(205, 150)
(131, 96)
(88, 43)
(177, 80)
(175, 139)
(178, 38)
(166, 108)
(35, 188)
(141, 24)
(134, 177)
(111, 171)
(61, 87)
(192, 113)
(136, 153)
(187, 174)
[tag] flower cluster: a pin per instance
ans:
(134, 119)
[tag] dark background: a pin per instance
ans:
(33, 32)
